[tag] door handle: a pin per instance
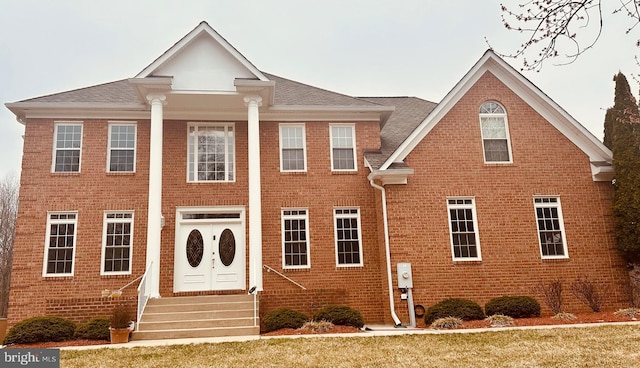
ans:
(213, 260)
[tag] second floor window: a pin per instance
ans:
(67, 147)
(211, 153)
(292, 147)
(495, 133)
(343, 148)
(122, 147)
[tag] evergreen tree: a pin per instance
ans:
(622, 132)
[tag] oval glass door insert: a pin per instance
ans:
(227, 247)
(195, 248)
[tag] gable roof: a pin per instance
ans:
(599, 155)
(202, 28)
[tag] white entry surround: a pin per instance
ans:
(210, 249)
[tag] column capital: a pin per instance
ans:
(252, 99)
(156, 98)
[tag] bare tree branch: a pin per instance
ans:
(555, 25)
(9, 187)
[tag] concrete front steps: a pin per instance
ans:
(197, 316)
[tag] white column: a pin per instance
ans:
(154, 214)
(255, 201)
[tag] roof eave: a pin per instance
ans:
(391, 176)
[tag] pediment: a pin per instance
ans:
(202, 61)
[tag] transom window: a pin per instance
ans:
(117, 242)
(343, 152)
(465, 242)
(122, 147)
(348, 239)
(495, 133)
(211, 153)
(292, 147)
(60, 244)
(67, 147)
(295, 242)
(553, 243)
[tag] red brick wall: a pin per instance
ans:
(449, 162)
(90, 192)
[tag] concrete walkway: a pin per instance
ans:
(370, 331)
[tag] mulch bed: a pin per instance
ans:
(599, 317)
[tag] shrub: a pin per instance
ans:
(40, 329)
(95, 329)
(340, 315)
(552, 293)
(283, 318)
(446, 323)
(587, 293)
(513, 306)
(317, 326)
(454, 307)
(565, 316)
(121, 316)
(632, 313)
(500, 320)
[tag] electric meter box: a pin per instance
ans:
(405, 280)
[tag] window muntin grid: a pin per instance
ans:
(495, 133)
(122, 147)
(343, 145)
(60, 244)
(465, 242)
(117, 243)
(295, 238)
(292, 147)
(550, 226)
(67, 147)
(348, 237)
(211, 153)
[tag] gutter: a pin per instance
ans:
(387, 251)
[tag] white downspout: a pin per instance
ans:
(387, 251)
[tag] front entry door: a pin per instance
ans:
(210, 256)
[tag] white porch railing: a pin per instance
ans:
(143, 294)
(271, 269)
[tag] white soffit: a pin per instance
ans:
(526, 90)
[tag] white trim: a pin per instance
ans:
(476, 231)
(558, 206)
(353, 146)
(56, 125)
(304, 144)
(226, 125)
(203, 27)
(105, 221)
(506, 128)
(47, 241)
(135, 143)
(522, 87)
(304, 217)
(335, 234)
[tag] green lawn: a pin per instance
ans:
(605, 346)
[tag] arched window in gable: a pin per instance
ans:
(495, 133)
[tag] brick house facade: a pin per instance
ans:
(258, 176)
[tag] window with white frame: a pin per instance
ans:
(463, 226)
(117, 239)
(67, 146)
(60, 244)
(495, 133)
(348, 237)
(553, 243)
(122, 147)
(295, 240)
(211, 153)
(343, 148)
(293, 155)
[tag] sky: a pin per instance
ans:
(418, 48)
